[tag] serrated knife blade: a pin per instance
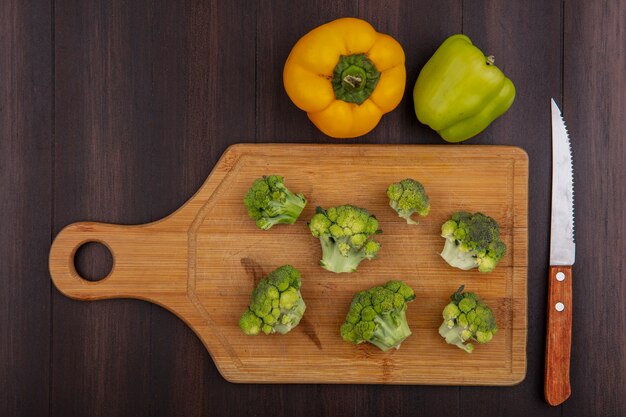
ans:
(562, 255)
(562, 247)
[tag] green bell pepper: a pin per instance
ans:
(460, 91)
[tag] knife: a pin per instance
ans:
(562, 252)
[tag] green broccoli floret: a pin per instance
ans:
(345, 234)
(276, 304)
(407, 197)
(378, 316)
(472, 240)
(465, 318)
(269, 202)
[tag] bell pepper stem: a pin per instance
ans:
(354, 78)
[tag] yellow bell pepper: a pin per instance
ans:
(345, 75)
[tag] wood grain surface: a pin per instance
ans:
(25, 209)
(118, 110)
(198, 262)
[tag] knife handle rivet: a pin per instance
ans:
(560, 276)
(559, 306)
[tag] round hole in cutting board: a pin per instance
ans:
(93, 261)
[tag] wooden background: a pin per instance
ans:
(116, 110)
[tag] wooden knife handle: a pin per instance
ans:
(558, 335)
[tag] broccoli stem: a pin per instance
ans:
(283, 212)
(294, 314)
(453, 337)
(334, 261)
(267, 222)
(457, 258)
(294, 204)
(407, 217)
(401, 213)
(391, 330)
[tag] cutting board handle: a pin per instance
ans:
(132, 249)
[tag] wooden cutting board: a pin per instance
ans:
(202, 261)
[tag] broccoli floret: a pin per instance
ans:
(407, 197)
(345, 235)
(276, 304)
(378, 316)
(465, 318)
(269, 202)
(472, 240)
